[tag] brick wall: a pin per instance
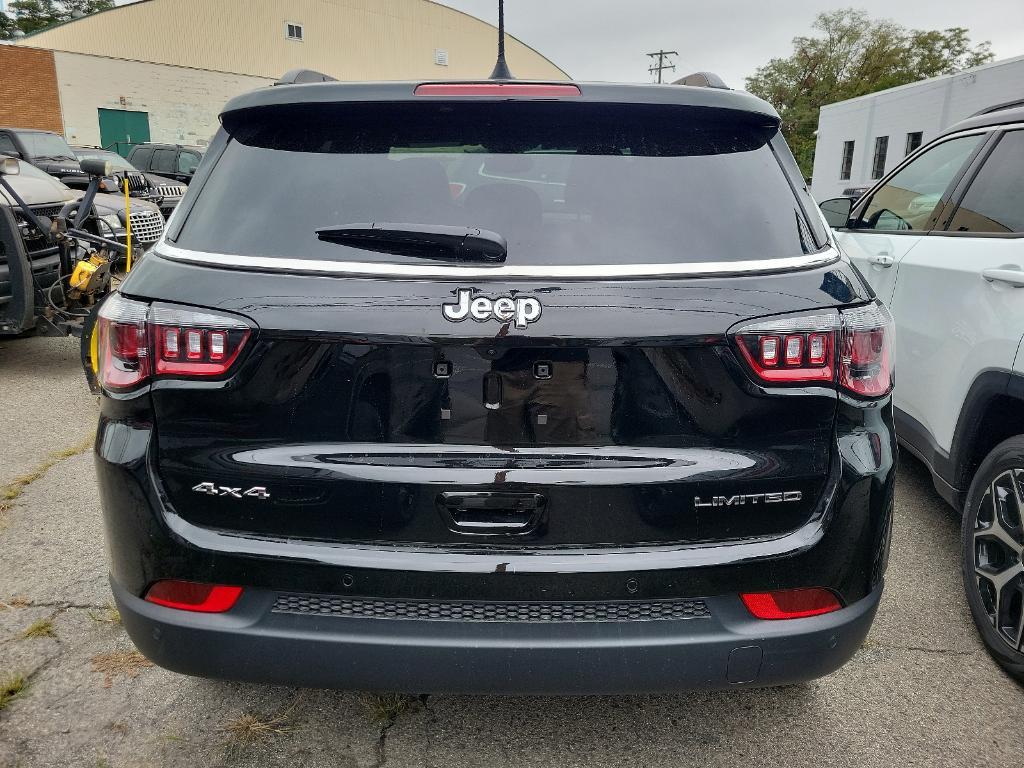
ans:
(28, 89)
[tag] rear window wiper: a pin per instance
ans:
(425, 241)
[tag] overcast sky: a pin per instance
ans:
(607, 39)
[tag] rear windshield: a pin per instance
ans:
(563, 183)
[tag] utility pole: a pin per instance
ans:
(662, 56)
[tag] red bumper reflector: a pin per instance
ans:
(790, 603)
(538, 90)
(192, 596)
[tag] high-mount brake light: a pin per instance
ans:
(137, 341)
(536, 90)
(848, 347)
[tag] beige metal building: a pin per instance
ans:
(169, 65)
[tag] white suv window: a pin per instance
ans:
(907, 201)
(995, 200)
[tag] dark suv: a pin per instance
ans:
(407, 422)
(47, 151)
(174, 161)
(166, 193)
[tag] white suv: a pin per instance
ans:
(941, 241)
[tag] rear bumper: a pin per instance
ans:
(727, 648)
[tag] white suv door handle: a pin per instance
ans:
(1011, 275)
(881, 260)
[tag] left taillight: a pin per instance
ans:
(137, 342)
(122, 344)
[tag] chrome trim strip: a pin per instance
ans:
(420, 271)
(467, 464)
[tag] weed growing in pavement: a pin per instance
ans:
(17, 486)
(119, 664)
(109, 615)
(252, 730)
(385, 707)
(40, 628)
(11, 687)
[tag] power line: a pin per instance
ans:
(661, 66)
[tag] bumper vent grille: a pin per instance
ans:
(147, 226)
(329, 605)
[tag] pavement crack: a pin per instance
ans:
(942, 651)
(11, 491)
(61, 605)
(920, 649)
(382, 755)
(428, 724)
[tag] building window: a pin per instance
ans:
(441, 57)
(847, 166)
(913, 141)
(293, 31)
(878, 161)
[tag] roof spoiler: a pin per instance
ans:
(300, 76)
(702, 80)
(999, 107)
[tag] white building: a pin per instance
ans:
(160, 70)
(860, 139)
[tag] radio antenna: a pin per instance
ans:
(501, 70)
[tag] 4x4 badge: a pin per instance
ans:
(523, 310)
(210, 489)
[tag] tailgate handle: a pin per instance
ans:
(489, 512)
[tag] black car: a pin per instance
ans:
(174, 161)
(165, 192)
(47, 151)
(391, 425)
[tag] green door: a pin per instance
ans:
(121, 129)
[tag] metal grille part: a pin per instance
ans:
(170, 190)
(46, 210)
(147, 226)
(368, 608)
(136, 181)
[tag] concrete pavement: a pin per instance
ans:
(922, 690)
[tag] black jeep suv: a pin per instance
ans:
(47, 151)
(502, 386)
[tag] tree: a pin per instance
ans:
(7, 26)
(853, 55)
(33, 15)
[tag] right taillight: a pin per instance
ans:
(850, 347)
(137, 341)
(865, 351)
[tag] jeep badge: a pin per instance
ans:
(522, 309)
